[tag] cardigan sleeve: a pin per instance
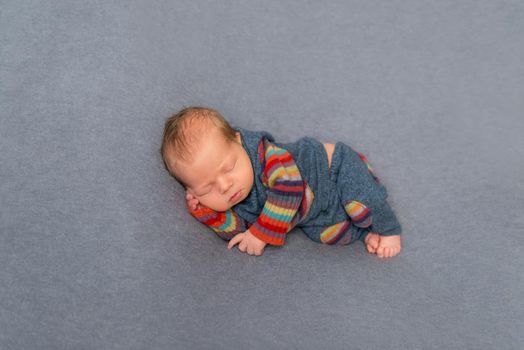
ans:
(285, 190)
(226, 224)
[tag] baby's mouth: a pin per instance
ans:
(236, 196)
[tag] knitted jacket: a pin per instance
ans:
(286, 198)
(281, 197)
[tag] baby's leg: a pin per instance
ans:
(336, 234)
(364, 199)
(342, 233)
(358, 213)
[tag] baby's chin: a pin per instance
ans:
(221, 207)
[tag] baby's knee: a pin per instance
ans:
(359, 214)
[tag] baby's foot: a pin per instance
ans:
(389, 246)
(372, 242)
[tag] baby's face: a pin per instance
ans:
(220, 174)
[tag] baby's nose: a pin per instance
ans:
(225, 184)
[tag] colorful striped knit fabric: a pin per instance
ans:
(359, 214)
(370, 168)
(289, 199)
(337, 233)
(225, 224)
(284, 197)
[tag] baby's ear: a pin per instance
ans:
(238, 137)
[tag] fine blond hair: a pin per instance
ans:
(186, 128)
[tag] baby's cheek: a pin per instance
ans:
(213, 203)
(202, 200)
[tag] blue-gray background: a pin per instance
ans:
(97, 251)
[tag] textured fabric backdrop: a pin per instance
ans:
(98, 252)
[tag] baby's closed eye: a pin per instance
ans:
(232, 166)
(204, 192)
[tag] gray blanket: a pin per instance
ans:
(98, 252)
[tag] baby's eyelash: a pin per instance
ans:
(210, 188)
(204, 193)
(206, 190)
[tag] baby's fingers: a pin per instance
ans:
(193, 204)
(237, 239)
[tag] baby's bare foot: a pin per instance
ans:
(372, 242)
(389, 246)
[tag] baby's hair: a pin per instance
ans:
(185, 128)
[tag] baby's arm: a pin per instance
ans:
(284, 196)
(247, 243)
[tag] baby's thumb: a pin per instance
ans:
(234, 241)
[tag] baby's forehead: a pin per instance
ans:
(208, 151)
(201, 170)
(197, 123)
(191, 133)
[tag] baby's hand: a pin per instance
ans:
(191, 201)
(248, 242)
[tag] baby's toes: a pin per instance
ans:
(390, 252)
(386, 252)
(395, 251)
(372, 242)
(381, 252)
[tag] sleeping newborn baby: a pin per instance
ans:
(252, 191)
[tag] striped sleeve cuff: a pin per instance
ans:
(225, 224)
(281, 206)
